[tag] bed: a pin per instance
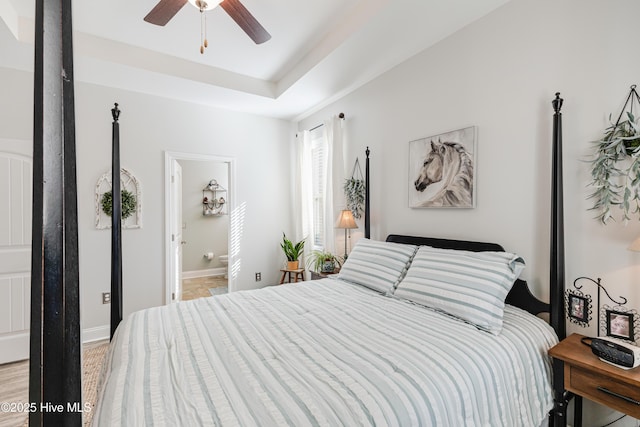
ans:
(331, 352)
(341, 351)
(413, 331)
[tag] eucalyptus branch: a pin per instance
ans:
(614, 184)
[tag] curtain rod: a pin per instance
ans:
(340, 116)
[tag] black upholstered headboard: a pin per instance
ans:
(519, 296)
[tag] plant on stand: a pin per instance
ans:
(615, 169)
(292, 251)
(323, 261)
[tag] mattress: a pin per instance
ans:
(322, 353)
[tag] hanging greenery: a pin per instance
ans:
(128, 203)
(354, 191)
(615, 169)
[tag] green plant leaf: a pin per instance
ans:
(291, 251)
(128, 203)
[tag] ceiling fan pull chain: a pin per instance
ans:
(206, 43)
(202, 38)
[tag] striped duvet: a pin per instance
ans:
(322, 353)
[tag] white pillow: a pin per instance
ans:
(471, 286)
(377, 265)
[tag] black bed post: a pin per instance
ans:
(557, 279)
(557, 226)
(55, 386)
(367, 199)
(116, 224)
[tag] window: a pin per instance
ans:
(318, 182)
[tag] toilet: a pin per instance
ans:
(224, 260)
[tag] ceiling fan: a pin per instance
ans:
(166, 9)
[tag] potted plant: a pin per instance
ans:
(615, 169)
(292, 252)
(354, 190)
(323, 262)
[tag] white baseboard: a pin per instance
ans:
(14, 347)
(96, 334)
(221, 271)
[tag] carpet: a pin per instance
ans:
(220, 290)
(92, 359)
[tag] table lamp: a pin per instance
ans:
(346, 221)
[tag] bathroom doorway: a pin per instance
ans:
(198, 211)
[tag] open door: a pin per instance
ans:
(15, 249)
(176, 229)
(174, 220)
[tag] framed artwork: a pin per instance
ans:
(578, 308)
(619, 324)
(442, 170)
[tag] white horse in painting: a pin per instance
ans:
(449, 163)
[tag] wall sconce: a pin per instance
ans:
(346, 221)
(635, 245)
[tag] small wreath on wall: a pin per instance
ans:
(131, 197)
(128, 203)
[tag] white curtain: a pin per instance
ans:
(334, 201)
(304, 205)
(332, 140)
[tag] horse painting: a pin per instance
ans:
(446, 172)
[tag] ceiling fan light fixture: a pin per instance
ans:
(203, 5)
(162, 13)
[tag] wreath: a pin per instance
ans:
(128, 203)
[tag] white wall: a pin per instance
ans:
(203, 234)
(501, 73)
(149, 126)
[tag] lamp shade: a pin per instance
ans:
(345, 220)
(635, 245)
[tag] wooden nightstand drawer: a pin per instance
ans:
(603, 389)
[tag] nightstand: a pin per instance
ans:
(587, 376)
(315, 275)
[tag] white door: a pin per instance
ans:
(15, 249)
(176, 229)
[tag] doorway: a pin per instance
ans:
(198, 236)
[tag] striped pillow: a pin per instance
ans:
(377, 265)
(471, 286)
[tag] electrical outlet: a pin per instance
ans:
(106, 297)
(258, 277)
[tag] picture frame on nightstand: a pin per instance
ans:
(620, 324)
(578, 308)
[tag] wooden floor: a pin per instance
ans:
(14, 387)
(14, 377)
(199, 287)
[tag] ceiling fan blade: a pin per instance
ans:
(245, 20)
(164, 11)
